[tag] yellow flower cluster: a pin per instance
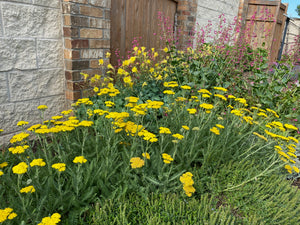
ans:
(6, 214)
(206, 106)
(220, 89)
(215, 130)
(146, 155)
(80, 159)
(22, 123)
(42, 107)
(18, 149)
(51, 220)
(136, 162)
(59, 166)
(154, 104)
(167, 158)
(20, 168)
(37, 162)
(4, 164)
(19, 137)
(260, 136)
(27, 189)
(171, 84)
(192, 111)
(178, 136)
(164, 130)
(187, 181)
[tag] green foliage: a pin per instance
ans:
(298, 10)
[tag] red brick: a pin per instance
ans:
(73, 95)
(91, 33)
(76, 65)
(94, 43)
(76, 85)
(71, 54)
(91, 11)
(73, 75)
(71, 32)
(77, 43)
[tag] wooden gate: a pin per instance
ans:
(137, 19)
(265, 23)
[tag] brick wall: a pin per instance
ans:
(31, 62)
(86, 27)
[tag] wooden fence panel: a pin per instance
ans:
(137, 19)
(265, 22)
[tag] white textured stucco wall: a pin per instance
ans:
(210, 10)
(31, 62)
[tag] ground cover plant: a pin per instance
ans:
(169, 134)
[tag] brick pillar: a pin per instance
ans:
(86, 29)
(186, 19)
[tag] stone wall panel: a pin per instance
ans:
(50, 53)
(50, 3)
(31, 21)
(16, 53)
(3, 88)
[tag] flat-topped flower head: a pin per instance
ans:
(27, 189)
(136, 162)
(37, 162)
(80, 159)
(59, 166)
(21, 168)
(42, 107)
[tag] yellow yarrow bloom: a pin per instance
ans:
(185, 127)
(291, 127)
(206, 106)
(52, 220)
(136, 162)
(18, 149)
(4, 164)
(59, 166)
(146, 155)
(178, 136)
(192, 111)
(27, 189)
(22, 123)
(169, 92)
(42, 107)
(220, 89)
(185, 87)
(167, 158)
(6, 213)
(19, 137)
(215, 130)
(80, 159)
(37, 162)
(20, 168)
(164, 130)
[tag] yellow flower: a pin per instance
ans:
(204, 91)
(185, 87)
(4, 164)
(146, 155)
(289, 126)
(241, 100)
(134, 70)
(260, 136)
(22, 123)
(288, 168)
(37, 162)
(296, 169)
(164, 130)
(136, 162)
(1, 173)
(215, 130)
(169, 92)
(101, 61)
(86, 123)
(20, 168)
(6, 214)
(167, 158)
(178, 136)
(19, 137)
(53, 220)
(27, 189)
(206, 106)
(108, 54)
(79, 159)
(192, 111)
(42, 107)
(220, 89)
(165, 49)
(59, 166)
(109, 103)
(127, 80)
(205, 96)
(220, 126)
(18, 149)
(221, 97)
(185, 127)
(171, 84)
(1, 130)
